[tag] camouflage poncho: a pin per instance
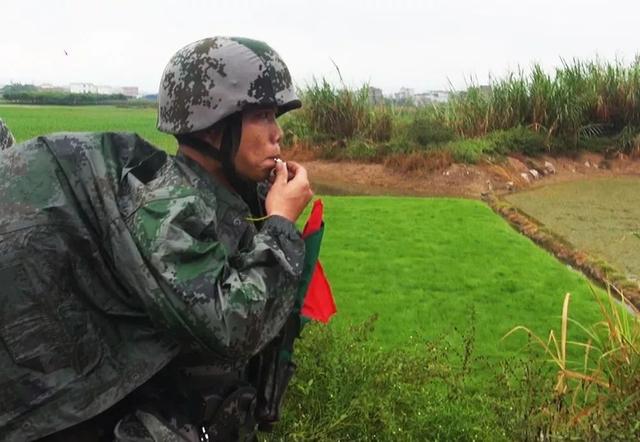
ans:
(115, 256)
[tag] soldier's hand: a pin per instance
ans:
(290, 191)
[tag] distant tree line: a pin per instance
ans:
(17, 88)
(63, 98)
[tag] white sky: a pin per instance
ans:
(418, 44)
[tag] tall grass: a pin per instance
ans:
(579, 100)
(597, 396)
(344, 113)
(580, 104)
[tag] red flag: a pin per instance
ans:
(318, 301)
(314, 223)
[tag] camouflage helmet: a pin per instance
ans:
(210, 79)
(6, 137)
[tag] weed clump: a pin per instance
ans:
(595, 396)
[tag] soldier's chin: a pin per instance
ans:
(257, 176)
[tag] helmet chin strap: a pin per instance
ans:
(231, 134)
(229, 146)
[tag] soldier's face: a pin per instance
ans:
(259, 144)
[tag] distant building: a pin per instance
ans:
(129, 91)
(405, 95)
(83, 88)
(105, 90)
(431, 97)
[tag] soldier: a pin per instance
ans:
(143, 295)
(6, 137)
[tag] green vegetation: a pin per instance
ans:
(62, 98)
(31, 121)
(30, 94)
(598, 216)
(348, 388)
(427, 273)
(583, 105)
(599, 400)
(447, 280)
(580, 101)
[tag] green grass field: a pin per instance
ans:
(423, 265)
(600, 216)
(435, 271)
(31, 121)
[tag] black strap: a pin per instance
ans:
(231, 134)
(229, 148)
(201, 146)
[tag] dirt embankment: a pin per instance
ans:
(463, 180)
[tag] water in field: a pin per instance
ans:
(600, 216)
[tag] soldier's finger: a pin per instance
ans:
(281, 173)
(300, 174)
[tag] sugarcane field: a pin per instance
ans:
(268, 251)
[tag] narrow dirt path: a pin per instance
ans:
(462, 180)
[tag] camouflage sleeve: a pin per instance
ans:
(230, 304)
(6, 137)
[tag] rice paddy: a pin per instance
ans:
(599, 216)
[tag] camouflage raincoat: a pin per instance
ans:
(114, 258)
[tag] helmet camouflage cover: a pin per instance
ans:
(210, 79)
(6, 138)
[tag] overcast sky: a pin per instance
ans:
(423, 45)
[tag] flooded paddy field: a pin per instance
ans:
(599, 216)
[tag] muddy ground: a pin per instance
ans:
(462, 180)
